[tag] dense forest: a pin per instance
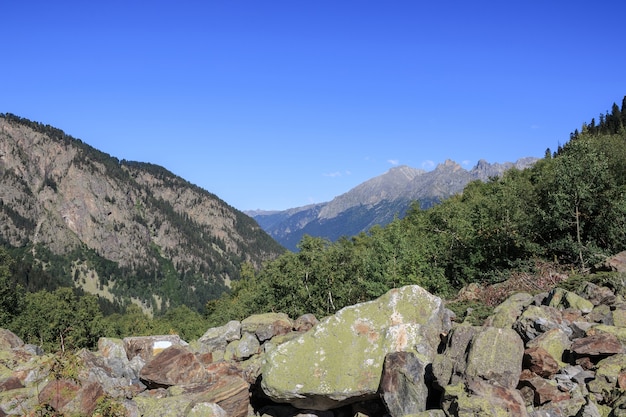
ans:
(568, 212)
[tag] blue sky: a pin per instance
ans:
(279, 104)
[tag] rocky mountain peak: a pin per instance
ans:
(378, 200)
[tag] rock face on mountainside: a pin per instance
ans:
(59, 196)
(377, 201)
(557, 353)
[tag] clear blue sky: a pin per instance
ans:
(278, 104)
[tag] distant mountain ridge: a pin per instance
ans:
(123, 230)
(377, 201)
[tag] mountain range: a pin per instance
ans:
(376, 201)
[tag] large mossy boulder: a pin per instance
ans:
(496, 355)
(340, 360)
(505, 314)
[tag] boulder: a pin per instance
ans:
(174, 366)
(555, 342)
(114, 353)
(601, 314)
(10, 383)
(543, 390)
(603, 329)
(216, 338)
(562, 299)
(230, 392)
(617, 262)
(496, 355)
(243, 348)
(206, 409)
(505, 314)
(540, 362)
(84, 401)
(403, 386)
(619, 318)
(610, 375)
(95, 368)
(147, 347)
(265, 326)
(178, 405)
(449, 367)
(598, 345)
(305, 322)
(340, 360)
(598, 295)
(536, 320)
(9, 340)
(58, 392)
(480, 398)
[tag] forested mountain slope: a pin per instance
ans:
(76, 216)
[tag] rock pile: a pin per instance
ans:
(551, 354)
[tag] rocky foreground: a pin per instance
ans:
(552, 354)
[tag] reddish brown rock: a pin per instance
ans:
(585, 362)
(571, 315)
(544, 391)
(58, 393)
(11, 383)
(598, 295)
(221, 369)
(174, 366)
(305, 323)
(539, 361)
(85, 400)
(597, 345)
(617, 262)
(230, 392)
(205, 358)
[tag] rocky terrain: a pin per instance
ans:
(377, 201)
(556, 353)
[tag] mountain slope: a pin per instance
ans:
(137, 229)
(376, 201)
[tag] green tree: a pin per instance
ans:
(574, 189)
(134, 322)
(59, 320)
(11, 294)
